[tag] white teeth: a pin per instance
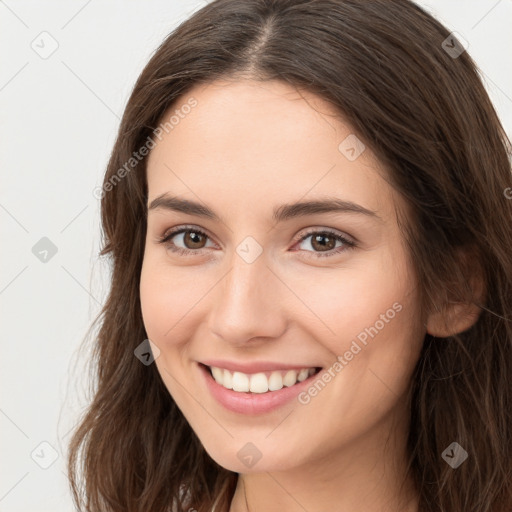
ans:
(275, 383)
(303, 375)
(218, 373)
(290, 378)
(227, 379)
(259, 382)
(240, 381)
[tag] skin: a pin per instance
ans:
(245, 148)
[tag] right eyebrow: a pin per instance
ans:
(176, 204)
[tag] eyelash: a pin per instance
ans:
(165, 240)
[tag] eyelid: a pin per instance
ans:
(297, 238)
(332, 231)
(180, 229)
(349, 241)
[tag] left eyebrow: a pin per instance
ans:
(282, 213)
(328, 205)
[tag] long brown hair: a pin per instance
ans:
(425, 114)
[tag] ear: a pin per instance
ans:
(454, 316)
(452, 320)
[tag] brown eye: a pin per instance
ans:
(186, 241)
(323, 242)
(194, 239)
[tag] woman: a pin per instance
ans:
(307, 215)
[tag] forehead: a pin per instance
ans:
(252, 143)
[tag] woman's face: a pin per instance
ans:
(292, 259)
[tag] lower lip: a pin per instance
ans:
(253, 403)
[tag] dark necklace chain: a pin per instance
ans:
(245, 496)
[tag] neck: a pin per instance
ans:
(368, 474)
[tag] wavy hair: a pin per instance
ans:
(425, 114)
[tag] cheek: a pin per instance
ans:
(156, 300)
(165, 294)
(371, 318)
(348, 300)
(170, 303)
(376, 343)
(162, 308)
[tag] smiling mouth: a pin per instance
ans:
(261, 382)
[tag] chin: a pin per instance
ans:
(245, 456)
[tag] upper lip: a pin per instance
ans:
(255, 366)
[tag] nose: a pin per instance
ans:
(247, 303)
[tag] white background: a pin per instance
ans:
(59, 117)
